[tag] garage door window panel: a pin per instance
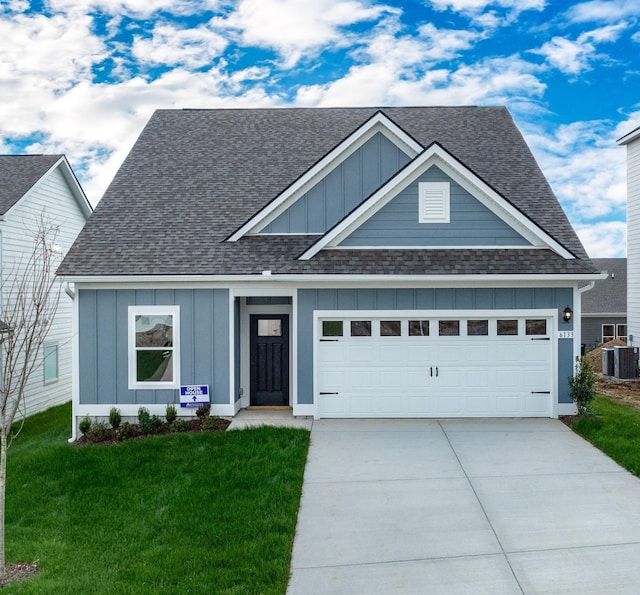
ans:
(477, 328)
(449, 328)
(418, 328)
(332, 328)
(360, 328)
(390, 328)
(536, 326)
(507, 328)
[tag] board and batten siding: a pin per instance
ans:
(52, 198)
(103, 343)
(342, 189)
(633, 240)
(498, 299)
(471, 224)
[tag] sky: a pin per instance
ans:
(82, 77)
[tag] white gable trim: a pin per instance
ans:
(70, 179)
(377, 123)
(436, 155)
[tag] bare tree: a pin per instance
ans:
(29, 301)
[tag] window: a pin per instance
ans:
(154, 355)
(433, 199)
(507, 327)
(621, 331)
(449, 328)
(390, 328)
(536, 326)
(418, 328)
(269, 327)
(608, 332)
(332, 328)
(360, 328)
(50, 363)
(477, 328)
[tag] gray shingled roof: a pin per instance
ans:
(608, 295)
(18, 173)
(195, 176)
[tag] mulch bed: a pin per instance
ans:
(17, 572)
(115, 435)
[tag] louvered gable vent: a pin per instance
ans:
(433, 202)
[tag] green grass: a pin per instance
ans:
(615, 430)
(183, 513)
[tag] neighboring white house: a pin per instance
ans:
(632, 142)
(32, 186)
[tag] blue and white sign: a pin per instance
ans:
(565, 334)
(194, 395)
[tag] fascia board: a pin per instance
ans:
(629, 137)
(436, 155)
(377, 123)
(298, 280)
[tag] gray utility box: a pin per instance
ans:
(625, 362)
(607, 361)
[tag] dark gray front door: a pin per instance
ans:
(269, 347)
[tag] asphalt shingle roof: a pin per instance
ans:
(195, 176)
(608, 295)
(18, 173)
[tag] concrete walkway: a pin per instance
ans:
(463, 506)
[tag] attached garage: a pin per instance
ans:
(435, 364)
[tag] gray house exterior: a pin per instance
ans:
(604, 308)
(344, 262)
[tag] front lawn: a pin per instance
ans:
(181, 513)
(615, 430)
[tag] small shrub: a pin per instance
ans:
(98, 432)
(115, 418)
(85, 425)
(179, 425)
(171, 413)
(212, 424)
(126, 431)
(144, 420)
(203, 411)
(582, 385)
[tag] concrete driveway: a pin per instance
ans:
(463, 506)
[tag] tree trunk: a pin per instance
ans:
(3, 483)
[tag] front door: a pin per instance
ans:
(269, 347)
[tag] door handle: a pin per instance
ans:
(436, 371)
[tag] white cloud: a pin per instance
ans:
(138, 8)
(605, 239)
(479, 5)
(603, 10)
(294, 28)
(171, 46)
(574, 57)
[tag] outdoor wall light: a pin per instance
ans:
(567, 314)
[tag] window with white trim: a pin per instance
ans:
(621, 332)
(154, 347)
(50, 362)
(434, 202)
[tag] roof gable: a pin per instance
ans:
(21, 174)
(468, 180)
(352, 146)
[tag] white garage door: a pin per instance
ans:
(434, 367)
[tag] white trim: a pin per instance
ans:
(442, 247)
(436, 155)
(566, 409)
(629, 137)
(379, 122)
(232, 355)
(304, 410)
(299, 280)
(138, 310)
(75, 366)
(550, 314)
(131, 410)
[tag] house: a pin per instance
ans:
(604, 308)
(632, 142)
(345, 262)
(31, 187)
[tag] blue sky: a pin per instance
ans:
(82, 77)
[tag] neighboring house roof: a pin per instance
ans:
(608, 296)
(20, 173)
(629, 137)
(195, 177)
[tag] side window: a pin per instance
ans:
(154, 355)
(608, 332)
(621, 332)
(50, 363)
